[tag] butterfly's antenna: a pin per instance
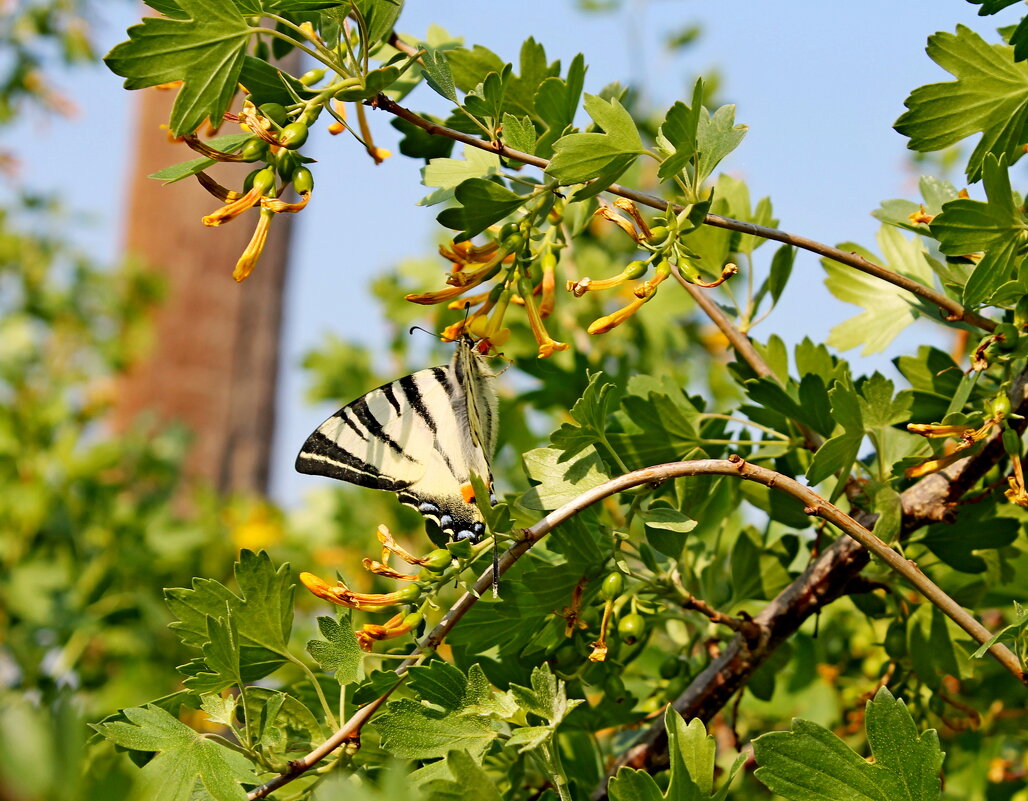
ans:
(414, 328)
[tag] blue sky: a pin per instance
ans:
(819, 85)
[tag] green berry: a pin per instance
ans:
(613, 585)
(303, 180)
(437, 560)
(632, 628)
(409, 593)
(312, 77)
(1005, 336)
(254, 150)
(275, 112)
(293, 135)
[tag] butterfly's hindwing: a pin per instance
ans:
(421, 437)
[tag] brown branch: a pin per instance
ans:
(767, 634)
(953, 311)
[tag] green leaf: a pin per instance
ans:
(220, 656)
(185, 759)
(263, 611)
(716, 137)
(547, 697)
(977, 528)
(379, 16)
(436, 69)
(679, 130)
(997, 227)
(935, 191)
(781, 269)
(229, 143)
(838, 454)
(878, 407)
(888, 309)
(486, 100)
(561, 480)
(339, 650)
(205, 51)
(285, 728)
(666, 518)
(482, 202)
(1020, 622)
(590, 414)
(410, 730)
(597, 157)
(266, 83)
(691, 752)
(470, 67)
(519, 133)
(447, 174)
(933, 653)
(989, 96)
(470, 782)
(810, 763)
(556, 102)
(835, 456)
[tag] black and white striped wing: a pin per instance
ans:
(412, 437)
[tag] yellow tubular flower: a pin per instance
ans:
(726, 272)
(627, 205)
(253, 250)
(933, 430)
(281, 207)
(935, 465)
(234, 208)
(439, 296)
(607, 213)
(548, 284)
(344, 596)
(599, 652)
(222, 193)
(601, 325)
(547, 345)
(381, 569)
(397, 626)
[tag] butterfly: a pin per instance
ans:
(421, 436)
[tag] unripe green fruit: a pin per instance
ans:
(437, 560)
(635, 269)
(613, 585)
(1005, 336)
(999, 407)
(670, 667)
(264, 180)
(631, 628)
(312, 77)
(896, 640)
(303, 180)
(409, 593)
(508, 230)
(293, 135)
(275, 112)
(254, 150)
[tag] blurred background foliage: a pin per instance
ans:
(95, 522)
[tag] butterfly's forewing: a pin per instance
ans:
(421, 437)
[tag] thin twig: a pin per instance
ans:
(953, 311)
(815, 505)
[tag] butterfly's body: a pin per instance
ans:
(421, 436)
